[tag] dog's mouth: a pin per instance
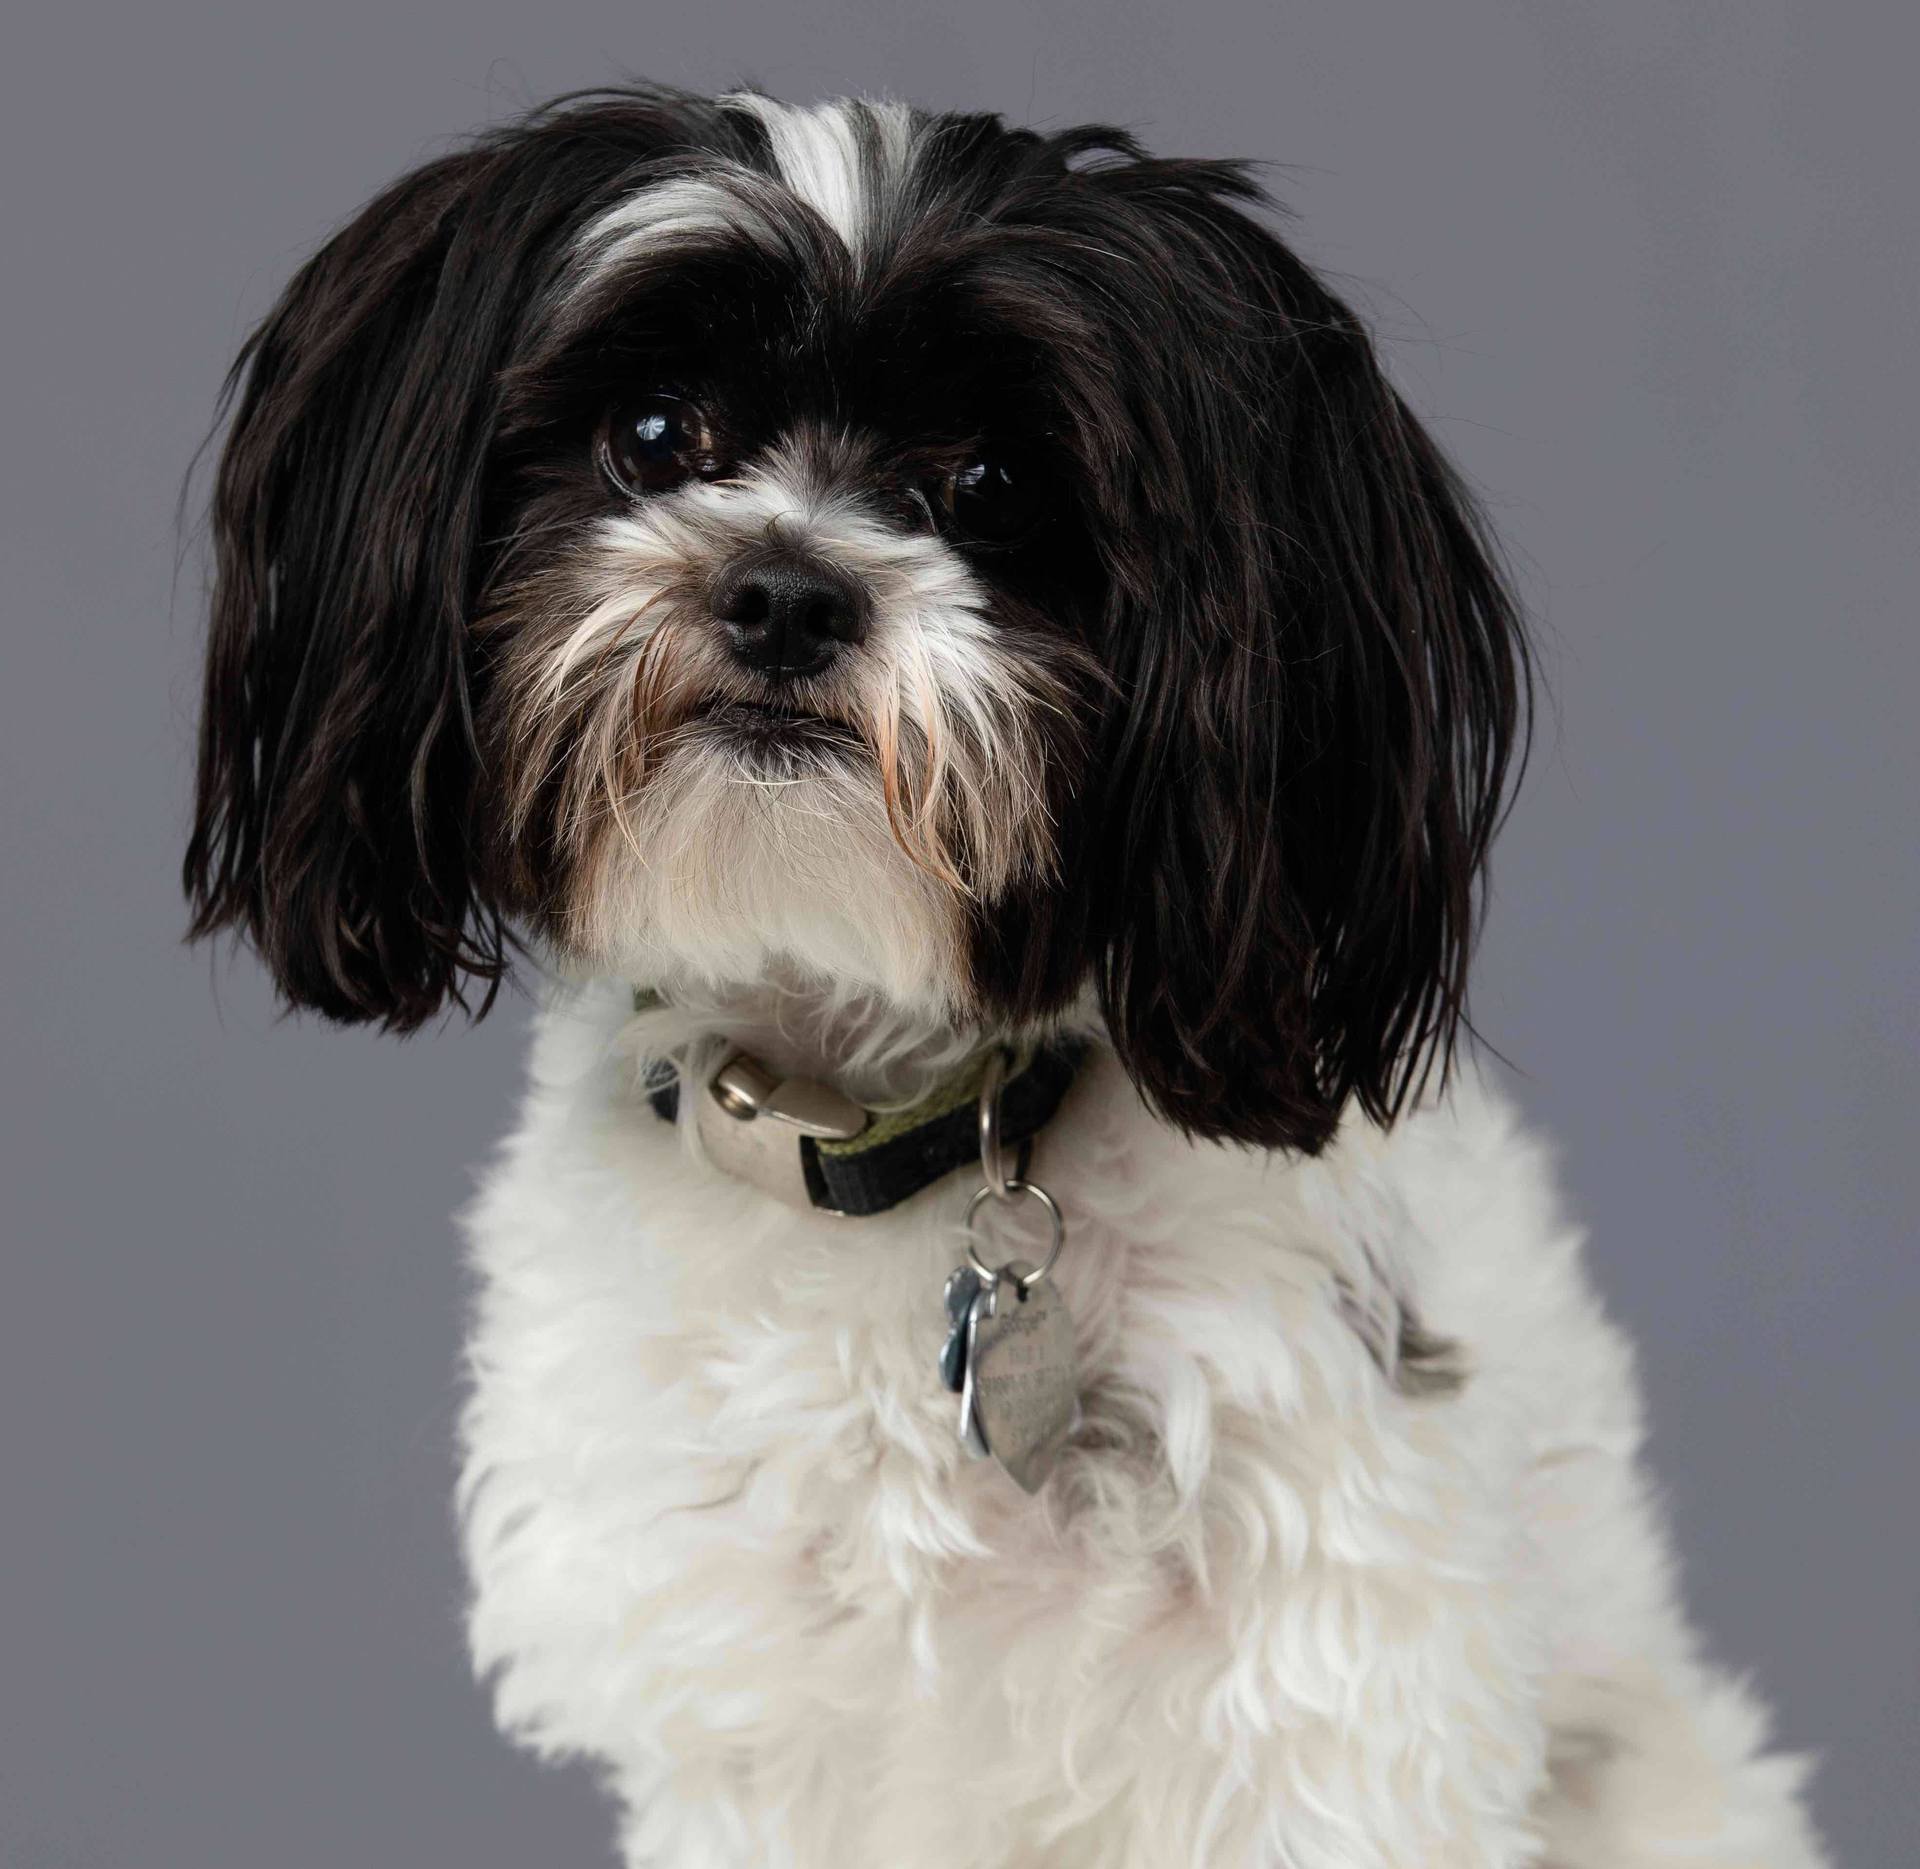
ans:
(773, 728)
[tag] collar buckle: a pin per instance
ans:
(755, 1126)
(748, 1091)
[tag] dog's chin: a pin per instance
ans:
(760, 849)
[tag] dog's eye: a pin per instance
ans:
(996, 498)
(656, 443)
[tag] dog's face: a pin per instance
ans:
(959, 565)
(791, 646)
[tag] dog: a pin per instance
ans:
(1009, 1330)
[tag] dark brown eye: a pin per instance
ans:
(996, 498)
(657, 442)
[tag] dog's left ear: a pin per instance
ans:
(334, 822)
(335, 766)
(1325, 688)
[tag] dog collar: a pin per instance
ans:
(806, 1144)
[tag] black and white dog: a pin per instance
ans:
(1002, 1339)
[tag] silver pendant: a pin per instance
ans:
(1021, 1373)
(966, 1298)
(973, 1437)
(963, 1286)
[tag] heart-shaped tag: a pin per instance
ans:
(1023, 1380)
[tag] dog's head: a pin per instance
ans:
(965, 565)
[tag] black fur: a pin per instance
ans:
(1308, 686)
(336, 816)
(1321, 680)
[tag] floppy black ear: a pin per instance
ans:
(1326, 686)
(337, 775)
(336, 767)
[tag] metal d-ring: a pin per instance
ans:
(1027, 1280)
(993, 1164)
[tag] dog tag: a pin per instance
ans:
(963, 1286)
(972, 1436)
(1020, 1369)
(966, 1301)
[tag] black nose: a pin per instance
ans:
(788, 615)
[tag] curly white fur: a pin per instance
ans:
(1271, 1610)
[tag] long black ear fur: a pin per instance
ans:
(1326, 689)
(333, 822)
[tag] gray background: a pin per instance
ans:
(1649, 268)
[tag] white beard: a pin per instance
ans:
(1273, 1608)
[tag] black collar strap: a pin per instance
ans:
(775, 1133)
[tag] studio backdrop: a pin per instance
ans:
(1648, 271)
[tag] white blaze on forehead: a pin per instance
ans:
(661, 213)
(846, 159)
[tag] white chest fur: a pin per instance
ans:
(1273, 1607)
